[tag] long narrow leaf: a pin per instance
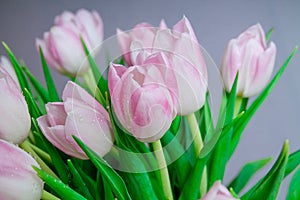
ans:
(17, 67)
(53, 95)
(222, 150)
(117, 184)
(37, 85)
(64, 191)
(293, 163)
(294, 189)
(268, 187)
(246, 173)
(78, 182)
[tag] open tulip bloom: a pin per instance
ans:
(144, 130)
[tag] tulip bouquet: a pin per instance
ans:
(142, 128)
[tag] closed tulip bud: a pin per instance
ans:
(81, 115)
(18, 180)
(188, 63)
(15, 121)
(143, 98)
(249, 55)
(184, 52)
(62, 46)
(218, 192)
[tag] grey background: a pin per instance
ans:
(215, 22)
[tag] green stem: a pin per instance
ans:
(195, 133)
(26, 146)
(164, 174)
(237, 106)
(48, 196)
(41, 153)
(89, 80)
(198, 143)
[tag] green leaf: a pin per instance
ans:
(222, 151)
(268, 35)
(239, 128)
(294, 189)
(39, 88)
(208, 120)
(78, 182)
(57, 161)
(91, 184)
(117, 184)
(53, 95)
(293, 162)
(92, 62)
(108, 194)
(139, 185)
(17, 67)
(268, 187)
(192, 185)
(32, 106)
(59, 187)
(246, 173)
(175, 124)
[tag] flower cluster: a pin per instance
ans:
(144, 131)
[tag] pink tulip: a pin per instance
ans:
(62, 46)
(144, 97)
(218, 192)
(81, 115)
(7, 66)
(183, 50)
(18, 180)
(15, 121)
(249, 55)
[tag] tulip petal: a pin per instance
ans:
(88, 125)
(18, 180)
(56, 135)
(7, 66)
(92, 25)
(48, 56)
(74, 91)
(65, 46)
(56, 113)
(13, 129)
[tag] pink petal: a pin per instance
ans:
(92, 127)
(56, 113)
(18, 180)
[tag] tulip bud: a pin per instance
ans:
(249, 55)
(18, 180)
(218, 192)
(81, 115)
(15, 121)
(142, 99)
(188, 63)
(62, 46)
(183, 50)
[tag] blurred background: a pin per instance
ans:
(214, 22)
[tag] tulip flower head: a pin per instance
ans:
(144, 98)
(81, 115)
(62, 45)
(249, 55)
(18, 180)
(180, 45)
(15, 121)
